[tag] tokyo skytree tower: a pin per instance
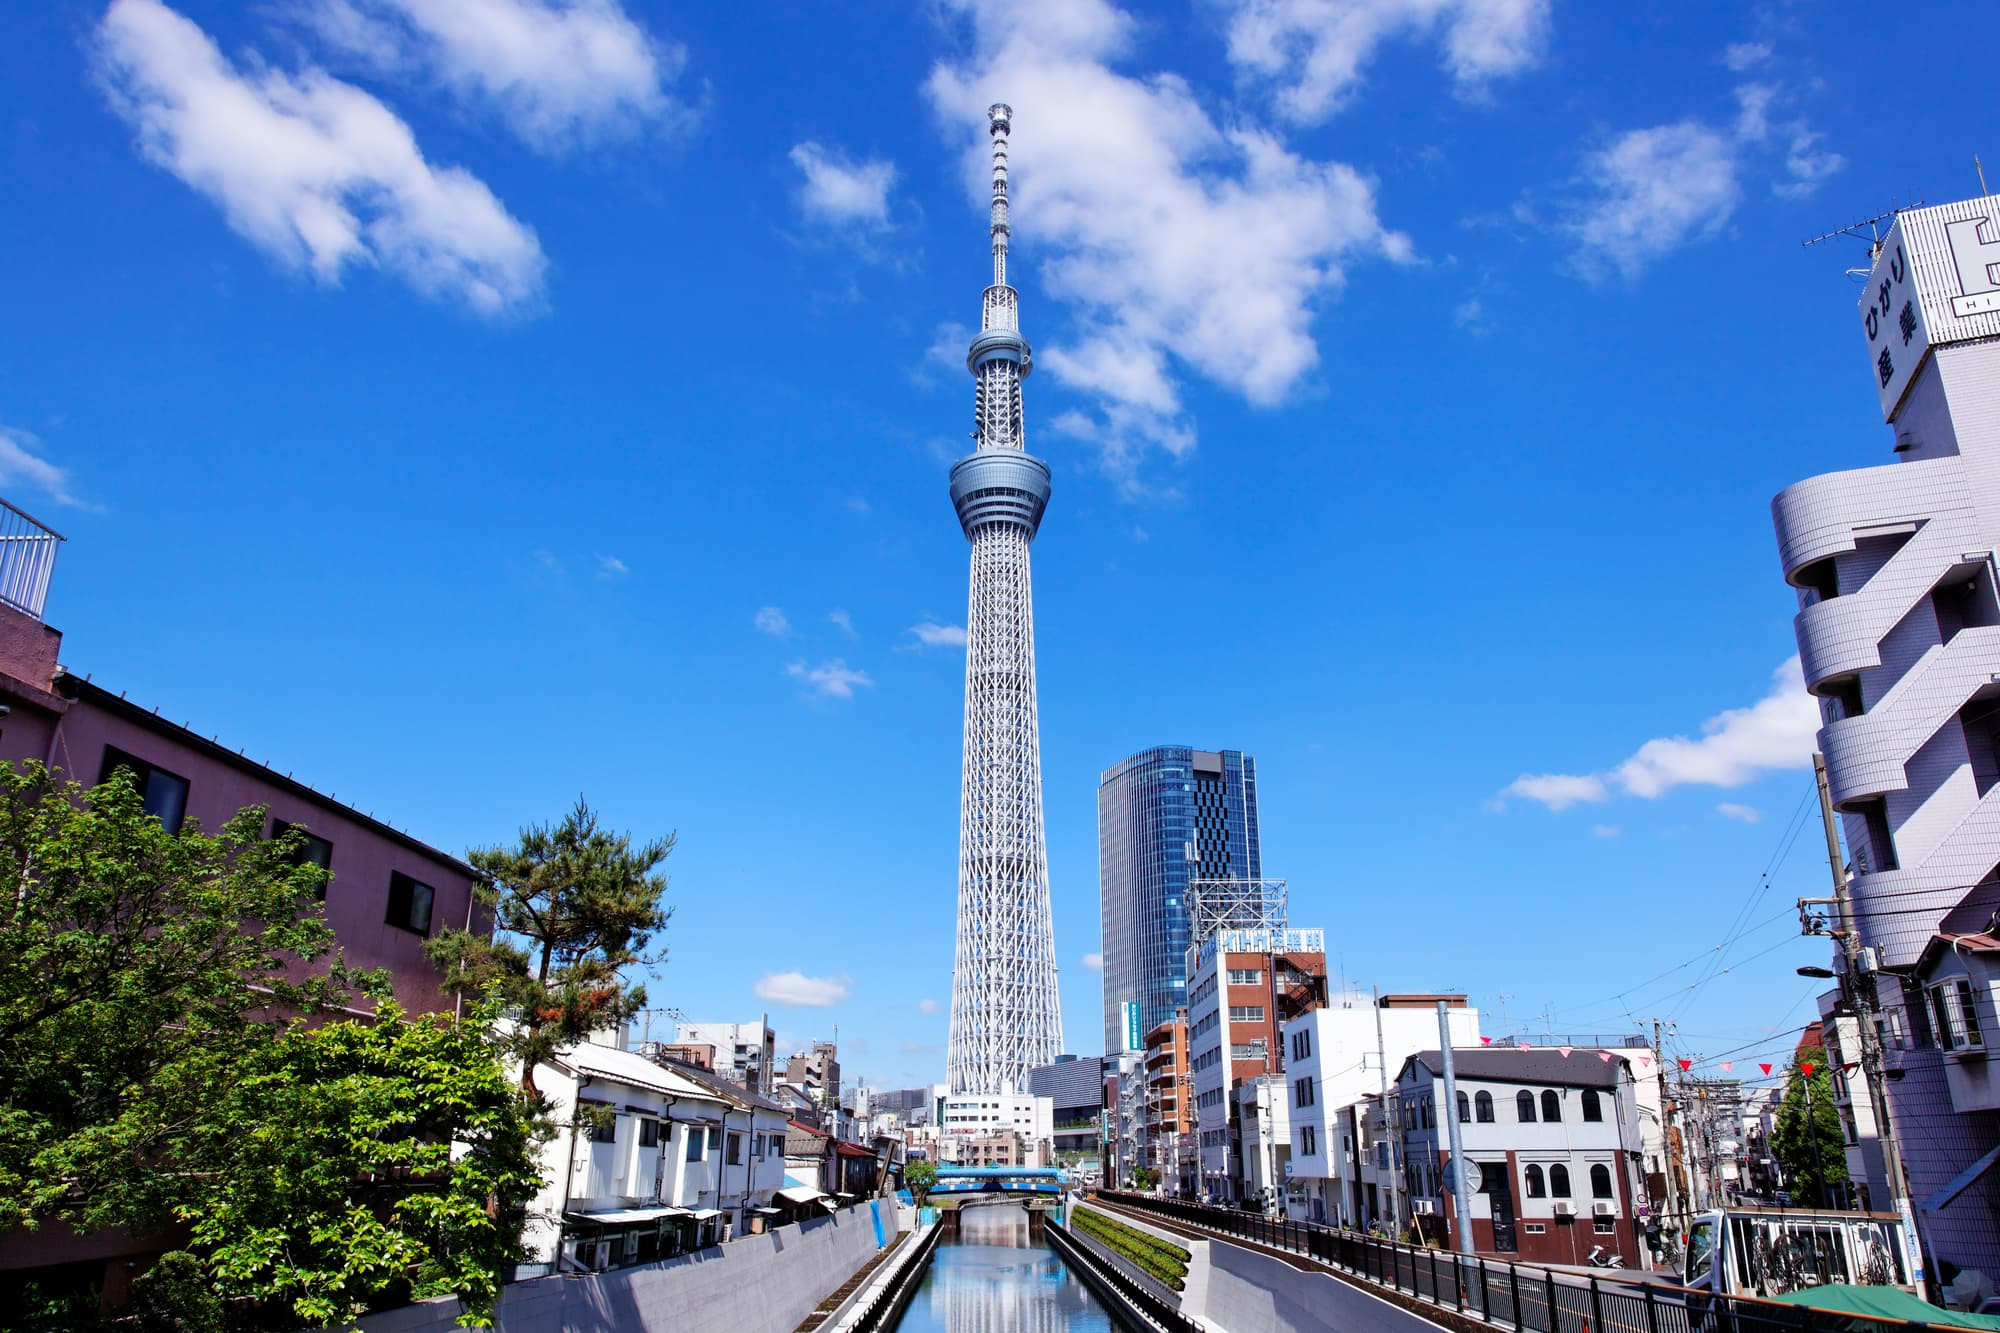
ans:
(1005, 1017)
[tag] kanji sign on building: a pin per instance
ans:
(1936, 281)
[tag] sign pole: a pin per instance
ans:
(1464, 1177)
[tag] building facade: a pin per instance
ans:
(1167, 1142)
(1165, 817)
(744, 1053)
(1074, 1087)
(817, 1071)
(1899, 640)
(1554, 1139)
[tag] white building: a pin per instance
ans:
(745, 1053)
(1899, 639)
(650, 1161)
(969, 1114)
(1334, 1057)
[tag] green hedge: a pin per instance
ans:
(1163, 1259)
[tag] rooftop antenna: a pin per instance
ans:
(1874, 226)
(1983, 191)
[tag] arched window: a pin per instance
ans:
(1552, 1107)
(1535, 1187)
(1425, 1113)
(1592, 1108)
(1464, 1109)
(1524, 1106)
(1600, 1181)
(1482, 1106)
(1559, 1182)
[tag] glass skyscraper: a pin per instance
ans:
(1165, 817)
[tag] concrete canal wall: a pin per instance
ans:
(1251, 1292)
(758, 1284)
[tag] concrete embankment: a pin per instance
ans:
(756, 1284)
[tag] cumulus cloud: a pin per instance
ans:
(927, 1006)
(930, 634)
(1094, 961)
(561, 73)
(796, 988)
(1739, 56)
(771, 620)
(611, 567)
(843, 622)
(839, 190)
(1313, 52)
(832, 679)
(23, 467)
(315, 172)
(1735, 746)
(1179, 243)
(1749, 814)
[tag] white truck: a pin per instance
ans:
(1772, 1251)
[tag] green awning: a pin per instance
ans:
(1884, 1303)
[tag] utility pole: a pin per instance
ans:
(1390, 1123)
(1667, 1133)
(1859, 983)
(1461, 1169)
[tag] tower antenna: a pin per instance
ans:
(1874, 226)
(1976, 166)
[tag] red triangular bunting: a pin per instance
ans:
(1728, 1065)
(1646, 1061)
(1807, 1067)
(1524, 1046)
(1604, 1056)
(1686, 1065)
(1486, 1041)
(1766, 1068)
(1565, 1050)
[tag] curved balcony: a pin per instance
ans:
(1816, 518)
(1866, 756)
(1900, 908)
(1842, 635)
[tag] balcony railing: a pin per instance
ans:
(27, 560)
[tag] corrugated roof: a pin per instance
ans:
(636, 1070)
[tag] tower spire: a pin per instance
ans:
(1005, 1016)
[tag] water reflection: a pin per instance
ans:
(994, 1279)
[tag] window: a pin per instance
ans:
(1302, 1044)
(1559, 1182)
(164, 795)
(1308, 1141)
(1600, 1181)
(649, 1133)
(1424, 1114)
(697, 1146)
(1524, 1106)
(735, 1153)
(1552, 1107)
(1535, 1188)
(1304, 1088)
(312, 850)
(1535, 1228)
(410, 903)
(1954, 1017)
(1592, 1108)
(1248, 1050)
(1464, 1109)
(1252, 976)
(1482, 1108)
(1246, 1013)
(1605, 1226)
(604, 1123)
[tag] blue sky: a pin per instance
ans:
(467, 405)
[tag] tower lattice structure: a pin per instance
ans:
(1005, 1015)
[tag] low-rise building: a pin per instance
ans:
(1554, 1140)
(744, 1053)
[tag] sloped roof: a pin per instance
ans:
(1581, 1068)
(607, 1062)
(715, 1082)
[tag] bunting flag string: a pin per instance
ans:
(1522, 1045)
(1486, 1041)
(1686, 1065)
(1728, 1065)
(1807, 1067)
(1604, 1056)
(1765, 1067)
(1565, 1050)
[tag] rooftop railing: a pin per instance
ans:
(27, 560)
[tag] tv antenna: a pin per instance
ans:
(1874, 226)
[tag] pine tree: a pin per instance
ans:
(574, 905)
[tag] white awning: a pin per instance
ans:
(800, 1194)
(703, 1214)
(618, 1217)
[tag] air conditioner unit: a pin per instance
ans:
(1422, 1207)
(1603, 1208)
(1564, 1208)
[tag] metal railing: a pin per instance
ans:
(890, 1302)
(1523, 1297)
(27, 560)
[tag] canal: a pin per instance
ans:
(992, 1278)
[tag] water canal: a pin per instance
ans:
(993, 1278)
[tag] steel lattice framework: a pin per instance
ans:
(1005, 1016)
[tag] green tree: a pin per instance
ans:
(575, 904)
(918, 1177)
(1809, 1144)
(1144, 1178)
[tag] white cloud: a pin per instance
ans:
(1749, 814)
(316, 172)
(800, 989)
(843, 621)
(1094, 961)
(1739, 56)
(1179, 243)
(1472, 316)
(561, 72)
(1735, 746)
(771, 620)
(1653, 191)
(1605, 831)
(832, 679)
(611, 567)
(927, 1006)
(1808, 166)
(841, 191)
(21, 465)
(930, 634)
(1314, 51)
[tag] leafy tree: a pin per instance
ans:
(575, 904)
(918, 1177)
(1806, 1144)
(1144, 1178)
(391, 1161)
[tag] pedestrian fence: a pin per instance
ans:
(1522, 1297)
